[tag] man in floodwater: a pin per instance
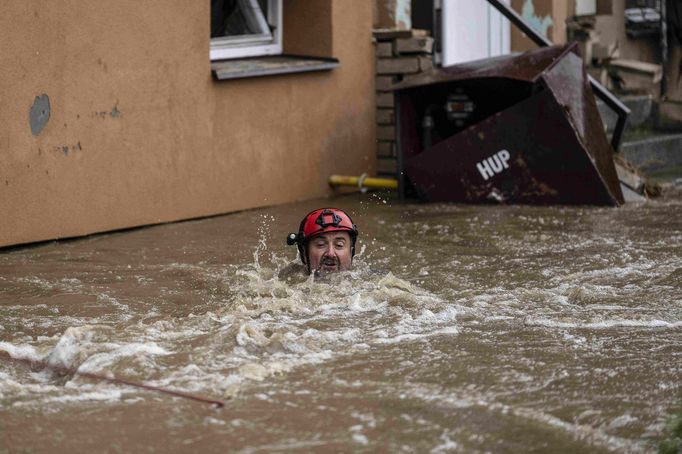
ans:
(326, 241)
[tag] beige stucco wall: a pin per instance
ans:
(139, 132)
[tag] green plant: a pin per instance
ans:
(673, 443)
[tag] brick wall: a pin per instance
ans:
(399, 55)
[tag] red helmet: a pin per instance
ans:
(320, 221)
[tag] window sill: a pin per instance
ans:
(270, 66)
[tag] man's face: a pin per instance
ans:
(330, 252)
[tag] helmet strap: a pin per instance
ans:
(335, 221)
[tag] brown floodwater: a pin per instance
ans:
(459, 329)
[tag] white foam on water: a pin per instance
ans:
(596, 437)
(63, 285)
(27, 352)
(10, 387)
(291, 445)
(265, 327)
(104, 298)
(105, 395)
(98, 361)
(32, 307)
(360, 438)
(608, 307)
(633, 271)
(208, 420)
(621, 421)
(583, 433)
(85, 349)
(67, 352)
(446, 445)
(399, 338)
(603, 324)
(38, 282)
(271, 326)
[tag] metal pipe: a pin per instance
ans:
(363, 181)
(398, 146)
(664, 48)
(602, 93)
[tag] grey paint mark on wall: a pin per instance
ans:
(66, 149)
(39, 114)
(114, 113)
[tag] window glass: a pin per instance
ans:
(239, 18)
(243, 28)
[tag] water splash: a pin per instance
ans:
(274, 319)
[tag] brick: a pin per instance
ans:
(402, 65)
(410, 77)
(385, 99)
(384, 49)
(385, 148)
(425, 63)
(385, 116)
(383, 34)
(385, 132)
(384, 82)
(414, 45)
(387, 166)
(604, 7)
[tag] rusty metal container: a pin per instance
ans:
(513, 129)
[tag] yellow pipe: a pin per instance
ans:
(363, 181)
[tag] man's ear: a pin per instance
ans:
(303, 253)
(306, 259)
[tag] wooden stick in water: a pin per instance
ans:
(120, 381)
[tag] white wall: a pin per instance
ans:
(471, 30)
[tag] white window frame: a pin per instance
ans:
(228, 47)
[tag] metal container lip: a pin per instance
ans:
(528, 67)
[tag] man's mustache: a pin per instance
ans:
(329, 261)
